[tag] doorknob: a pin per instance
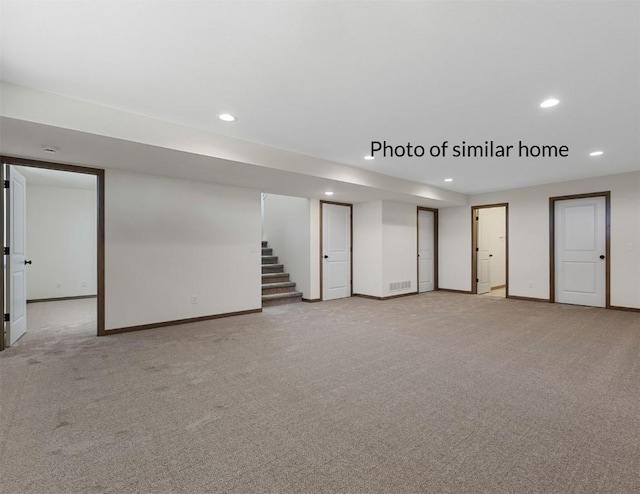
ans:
(602, 256)
(27, 262)
(326, 257)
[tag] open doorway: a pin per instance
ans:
(53, 267)
(285, 249)
(490, 250)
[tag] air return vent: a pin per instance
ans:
(399, 285)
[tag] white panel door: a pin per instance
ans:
(580, 249)
(336, 250)
(426, 247)
(483, 253)
(17, 257)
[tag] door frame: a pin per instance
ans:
(552, 242)
(350, 206)
(435, 245)
(474, 245)
(100, 250)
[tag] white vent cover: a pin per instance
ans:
(399, 285)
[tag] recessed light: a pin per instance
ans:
(448, 180)
(227, 117)
(596, 153)
(368, 157)
(328, 193)
(548, 103)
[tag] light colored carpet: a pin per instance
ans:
(496, 292)
(437, 392)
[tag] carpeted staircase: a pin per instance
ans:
(276, 287)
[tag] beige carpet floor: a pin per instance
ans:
(496, 292)
(437, 392)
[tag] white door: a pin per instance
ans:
(580, 249)
(336, 250)
(483, 253)
(426, 247)
(17, 256)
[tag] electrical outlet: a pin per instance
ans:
(530, 284)
(83, 284)
(59, 284)
(194, 299)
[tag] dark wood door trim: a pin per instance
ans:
(350, 206)
(100, 202)
(435, 246)
(3, 294)
(474, 244)
(552, 241)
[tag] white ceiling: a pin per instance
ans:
(325, 78)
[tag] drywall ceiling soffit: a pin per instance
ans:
(21, 138)
(323, 79)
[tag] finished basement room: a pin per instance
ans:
(320, 247)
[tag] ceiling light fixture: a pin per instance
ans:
(448, 180)
(368, 157)
(328, 193)
(548, 103)
(596, 153)
(227, 117)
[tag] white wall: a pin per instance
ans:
(384, 247)
(399, 246)
(529, 237)
(454, 248)
(169, 240)
(314, 250)
(61, 242)
(286, 227)
(367, 249)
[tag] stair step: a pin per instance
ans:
(272, 268)
(277, 289)
(281, 298)
(282, 287)
(274, 277)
